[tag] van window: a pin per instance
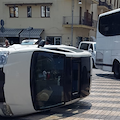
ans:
(84, 46)
(91, 46)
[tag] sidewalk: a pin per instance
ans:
(102, 104)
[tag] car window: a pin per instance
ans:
(48, 76)
(95, 47)
(84, 46)
(91, 46)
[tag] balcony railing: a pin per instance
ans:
(110, 6)
(67, 20)
(105, 3)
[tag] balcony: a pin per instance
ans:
(95, 1)
(79, 23)
(103, 4)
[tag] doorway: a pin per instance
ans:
(55, 40)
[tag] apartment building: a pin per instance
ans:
(62, 21)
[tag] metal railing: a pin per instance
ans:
(104, 3)
(110, 6)
(67, 20)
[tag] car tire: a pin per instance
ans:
(116, 69)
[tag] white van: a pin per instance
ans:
(91, 47)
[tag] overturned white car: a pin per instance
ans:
(34, 79)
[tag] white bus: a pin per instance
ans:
(108, 42)
(35, 79)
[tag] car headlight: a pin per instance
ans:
(3, 57)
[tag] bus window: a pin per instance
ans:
(48, 75)
(109, 25)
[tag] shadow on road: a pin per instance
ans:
(66, 111)
(111, 76)
(106, 75)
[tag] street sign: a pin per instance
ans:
(2, 29)
(2, 22)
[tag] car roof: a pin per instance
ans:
(27, 41)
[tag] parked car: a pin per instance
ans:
(30, 42)
(91, 47)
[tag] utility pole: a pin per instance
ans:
(72, 23)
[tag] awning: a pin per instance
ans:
(10, 33)
(34, 33)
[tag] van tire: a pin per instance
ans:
(116, 69)
(93, 66)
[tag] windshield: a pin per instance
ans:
(84, 46)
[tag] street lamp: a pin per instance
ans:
(29, 29)
(79, 2)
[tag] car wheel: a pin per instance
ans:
(116, 69)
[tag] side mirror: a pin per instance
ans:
(41, 43)
(90, 50)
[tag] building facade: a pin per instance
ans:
(62, 21)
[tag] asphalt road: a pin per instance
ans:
(102, 104)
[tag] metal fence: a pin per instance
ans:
(67, 20)
(105, 3)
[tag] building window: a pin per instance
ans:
(13, 12)
(29, 11)
(45, 11)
